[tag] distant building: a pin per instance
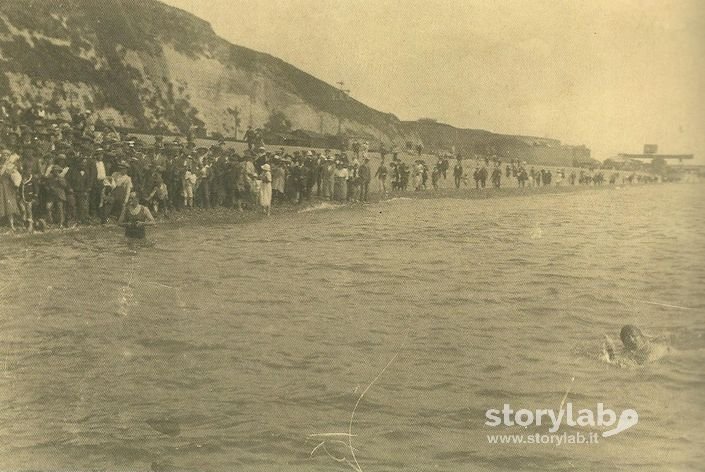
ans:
(667, 157)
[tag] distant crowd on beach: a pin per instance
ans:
(489, 171)
(81, 171)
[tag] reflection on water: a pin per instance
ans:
(222, 348)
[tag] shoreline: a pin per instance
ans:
(230, 216)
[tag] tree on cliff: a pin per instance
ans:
(278, 122)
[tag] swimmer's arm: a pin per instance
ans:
(608, 349)
(150, 219)
(657, 351)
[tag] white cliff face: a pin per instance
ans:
(162, 67)
(159, 68)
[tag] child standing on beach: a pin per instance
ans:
(189, 182)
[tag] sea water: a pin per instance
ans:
(225, 347)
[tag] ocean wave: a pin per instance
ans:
(397, 199)
(320, 207)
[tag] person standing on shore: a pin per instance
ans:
(458, 172)
(341, 182)
(265, 189)
(319, 162)
(365, 178)
(81, 184)
(249, 175)
(328, 178)
(188, 184)
(10, 179)
(250, 138)
(395, 167)
(482, 175)
(424, 175)
(559, 177)
(28, 194)
(231, 175)
(99, 174)
(56, 186)
(418, 175)
(354, 181)
(497, 177)
(310, 171)
(205, 177)
(381, 176)
(436, 175)
(300, 178)
(122, 186)
(278, 180)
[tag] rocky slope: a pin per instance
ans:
(145, 65)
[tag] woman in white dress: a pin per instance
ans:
(340, 189)
(265, 189)
(10, 179)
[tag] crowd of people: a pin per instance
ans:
(82, 171)
(488, 171)
(56, 173)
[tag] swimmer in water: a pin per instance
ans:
(135, 217)
(638, 349)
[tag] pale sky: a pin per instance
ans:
(610, 74)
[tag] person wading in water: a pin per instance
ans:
(135, 217)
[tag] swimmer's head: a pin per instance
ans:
(133, 200)
(632, 337)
